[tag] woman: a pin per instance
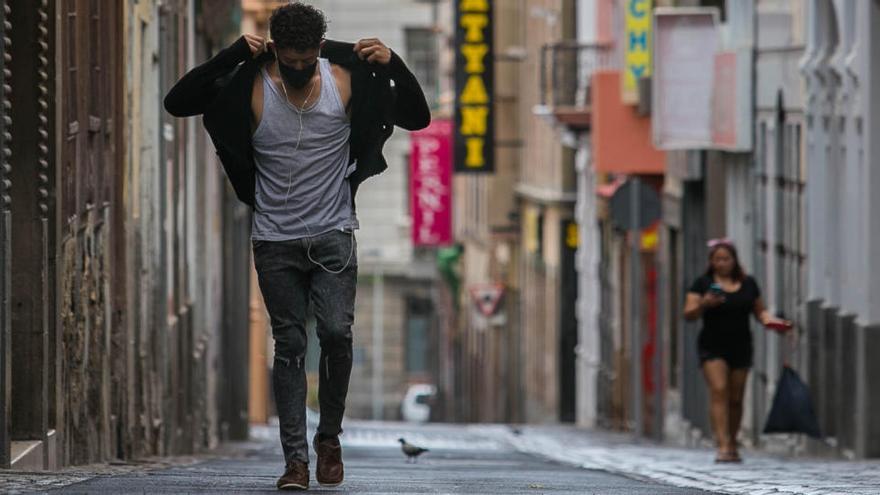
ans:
(724, 297)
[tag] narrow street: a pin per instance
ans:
(568, 246)
(461, 460)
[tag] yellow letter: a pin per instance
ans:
(474, 55)
(473, 121)
(474, 24)
(474, 92)
(474, 153)
(474, 5)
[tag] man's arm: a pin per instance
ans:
(342, 76)
(411, 110)
(197, 88)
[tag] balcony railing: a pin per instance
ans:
(566, 70)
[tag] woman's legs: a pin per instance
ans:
(717, 373)
(736, 391)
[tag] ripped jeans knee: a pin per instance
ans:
(288, 353)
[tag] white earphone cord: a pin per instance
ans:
(300, 113)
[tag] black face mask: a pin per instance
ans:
(298, 78)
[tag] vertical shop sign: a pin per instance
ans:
(474, 124)
(431, 184)
(637, 47)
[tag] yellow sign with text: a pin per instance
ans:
(474, 77)
(638, 16)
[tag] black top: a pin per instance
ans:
(731, 318)
(220, 90)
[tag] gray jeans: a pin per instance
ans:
(289, 280)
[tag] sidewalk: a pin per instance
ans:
(15, 482)
(693, 468)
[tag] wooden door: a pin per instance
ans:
(90, 82)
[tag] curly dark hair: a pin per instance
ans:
(298, 26)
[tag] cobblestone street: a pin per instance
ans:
(463, 459)
(472, 459)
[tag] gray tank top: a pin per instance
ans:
(302, 191)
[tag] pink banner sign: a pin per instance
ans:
(431, 184)
(724, 102)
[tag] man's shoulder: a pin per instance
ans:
(342, 75)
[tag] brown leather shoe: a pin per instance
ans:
(296, 476)
(330, 471)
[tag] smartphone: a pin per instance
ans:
(716, 289)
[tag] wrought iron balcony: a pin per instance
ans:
(566, 71)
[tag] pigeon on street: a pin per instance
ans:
(411, 451)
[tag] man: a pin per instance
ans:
(299, 122)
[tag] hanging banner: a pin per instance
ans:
(731, 100)
(637, 47)
(685, 44)
(431, 184)
(474, 71)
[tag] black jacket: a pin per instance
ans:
(220, 90)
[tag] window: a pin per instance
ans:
(418, 322)
(780, 193)
(421, 57)
(761, 202)
(791, 249)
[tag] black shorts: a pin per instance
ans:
(736, 352)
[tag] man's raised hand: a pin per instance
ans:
(257, 44)
(373, 50)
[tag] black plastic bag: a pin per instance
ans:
(792, 410)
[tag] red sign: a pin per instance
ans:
(487, 297)
(431, 184)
